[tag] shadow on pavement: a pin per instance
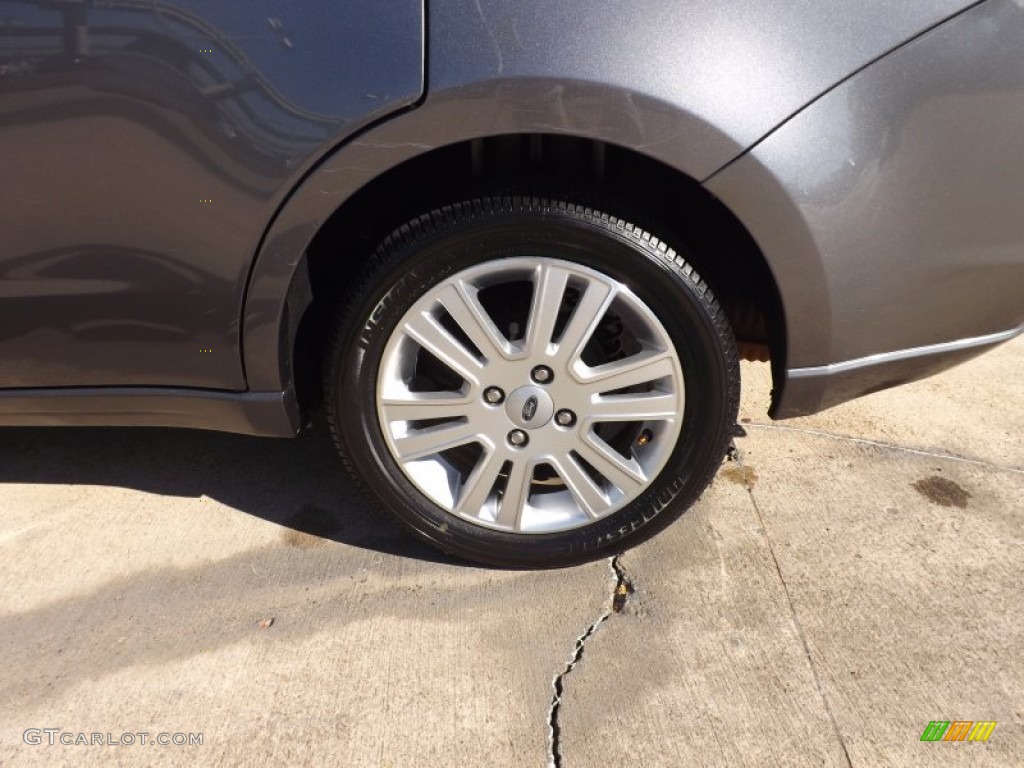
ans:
(299, 483)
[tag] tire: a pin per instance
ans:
(493, 459)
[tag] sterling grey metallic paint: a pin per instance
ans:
(114, 273)
(890, 210)
(146, 145)
(690, 84)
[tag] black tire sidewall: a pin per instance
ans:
(433, 248)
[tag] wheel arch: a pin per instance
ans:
(457, 146)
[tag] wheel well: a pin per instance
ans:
(640, 189)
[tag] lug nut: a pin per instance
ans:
(565, 418)
(518, 438)
(493, 395)
(542, 374)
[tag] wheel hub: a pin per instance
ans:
(529, 407)
(561, 449)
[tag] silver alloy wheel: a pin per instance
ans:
(587, 375)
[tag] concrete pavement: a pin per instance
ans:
(850, 578)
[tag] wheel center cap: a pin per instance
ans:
(529, 407)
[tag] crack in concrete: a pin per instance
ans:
(735, 455)
(890, 446)
(620, 595)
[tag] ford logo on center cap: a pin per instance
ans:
(529, 407)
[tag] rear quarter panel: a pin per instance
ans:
(890, 210)
(692, 84)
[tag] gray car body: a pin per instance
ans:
(872, 152)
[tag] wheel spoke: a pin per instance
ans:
(593, 304)
(640, 368)
(626, 475)
(426, 442)
(478, 485)
(426, 331)
(548, 292)
(517, 491)
(643, 406)
(473, 319)
(417, 406)
(587, 493)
